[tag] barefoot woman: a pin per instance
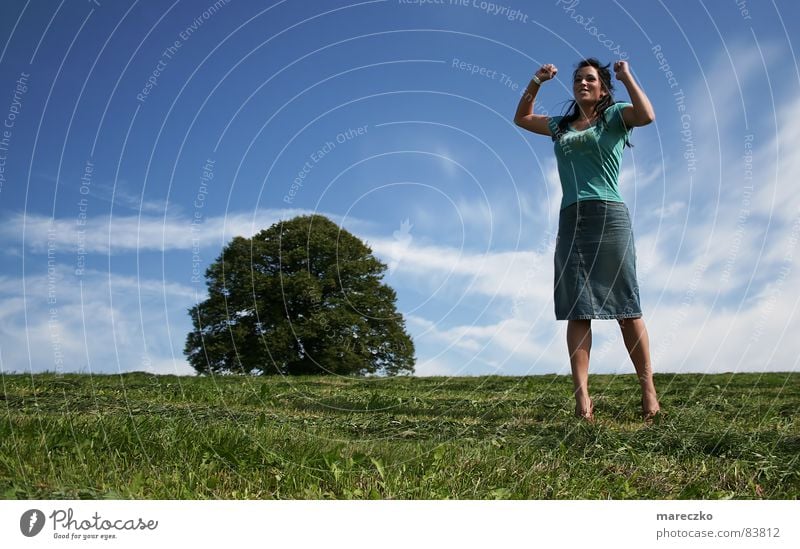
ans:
(595, 272)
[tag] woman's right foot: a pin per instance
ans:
(585, 412)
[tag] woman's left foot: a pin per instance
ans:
(649, 413)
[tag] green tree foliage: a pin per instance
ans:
(301, 297)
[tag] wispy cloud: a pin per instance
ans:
(97, 323)
(121, 197)
(124, 234)
(494, 274)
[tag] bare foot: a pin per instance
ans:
(585, 411)
(650, 407)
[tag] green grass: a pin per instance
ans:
(165, 437)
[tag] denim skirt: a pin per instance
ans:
(595, 263)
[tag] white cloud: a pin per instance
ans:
(455, 276)
(634, 179)
(120, 197)
(101, 326)
(670, 210)
(432, 367)
(124, 234)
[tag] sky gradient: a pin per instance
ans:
(139, 137)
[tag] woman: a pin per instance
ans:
(595, 273)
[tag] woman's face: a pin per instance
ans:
(587, 86)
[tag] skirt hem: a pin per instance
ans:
(602, 317)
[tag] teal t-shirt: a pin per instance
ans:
(589, 160)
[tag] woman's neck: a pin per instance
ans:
(587, 113)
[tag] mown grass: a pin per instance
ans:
(165, 437)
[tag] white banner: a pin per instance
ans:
(399, 524)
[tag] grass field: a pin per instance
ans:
(164, 437)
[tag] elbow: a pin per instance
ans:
(643, 120)
(518, 121)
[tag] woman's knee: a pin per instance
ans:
(626, 323)
(580, 323)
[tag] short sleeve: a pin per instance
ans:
(614, 119)
(552, 123)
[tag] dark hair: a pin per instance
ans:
(602, 105)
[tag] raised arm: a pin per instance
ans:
(641, 112)
(524, 118)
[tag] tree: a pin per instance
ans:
(301, 297)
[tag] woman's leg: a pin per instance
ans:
(634, 332)
(579, 343)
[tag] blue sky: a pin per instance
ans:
(141, 136)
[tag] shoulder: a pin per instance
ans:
(616, 109)
(553, 122)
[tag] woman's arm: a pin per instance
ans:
(524, 118)
(641, 112)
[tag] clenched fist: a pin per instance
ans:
(546, 72)
(621, 70)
